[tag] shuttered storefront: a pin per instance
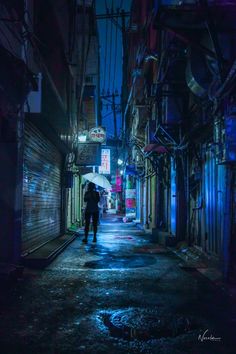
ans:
(41, 190)
(214, 206)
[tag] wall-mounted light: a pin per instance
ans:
(82, 137)
(120, 162)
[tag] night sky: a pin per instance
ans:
(111, 59)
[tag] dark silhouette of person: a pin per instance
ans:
(92, 198)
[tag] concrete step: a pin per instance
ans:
(44, 255)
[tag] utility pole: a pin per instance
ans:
(124, 69)
(111, 99)
(114, 115)
(114, 17)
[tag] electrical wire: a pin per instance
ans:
(111, 37)
(85, 53)
(115, 59)
(105, 61)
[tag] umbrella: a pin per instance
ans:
(98, 179)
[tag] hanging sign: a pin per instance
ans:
(97, 134)
(105, 167)
(130, 203)
(118, 184)
(89, 154)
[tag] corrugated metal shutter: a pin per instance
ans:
(69, 206)
(41, 189)
(210, 204)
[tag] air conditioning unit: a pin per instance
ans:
(33, 102)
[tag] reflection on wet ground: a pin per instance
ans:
(145, 324)
(122, 295)
(121, 263)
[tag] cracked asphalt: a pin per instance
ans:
(123, 294)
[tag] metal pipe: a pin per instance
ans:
(189, 41)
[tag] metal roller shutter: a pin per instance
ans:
(69, 204)
(41, 190)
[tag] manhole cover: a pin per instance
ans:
(121, 263)
(145, 324)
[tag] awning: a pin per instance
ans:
(160, 149)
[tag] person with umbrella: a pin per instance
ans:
(99, 180)
(92, 199)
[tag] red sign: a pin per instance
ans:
(130, 203)
(97, 134)
(118, 183)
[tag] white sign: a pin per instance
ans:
(97, 134)
(105, 167)
(130, 193)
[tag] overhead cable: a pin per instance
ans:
(111, 36)
(105, 64)
(115, 59)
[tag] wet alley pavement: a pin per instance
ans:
(123, 294)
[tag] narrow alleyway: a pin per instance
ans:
(121, 295)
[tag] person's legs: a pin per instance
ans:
(95, 225)
(86, 228)
(100, 215)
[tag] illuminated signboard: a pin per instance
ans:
(88, 154)
(97, 134)
(105, 167)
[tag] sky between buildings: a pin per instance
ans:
(110, 60)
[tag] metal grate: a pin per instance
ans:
(41, 190)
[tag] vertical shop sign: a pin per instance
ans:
(130, 202)
(118, 183)
(105, 167)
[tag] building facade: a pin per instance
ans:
(41, 98)
(181, 121)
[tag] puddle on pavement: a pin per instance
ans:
(121, 263)
(151, 249)
(144, 324)
(124, 237)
